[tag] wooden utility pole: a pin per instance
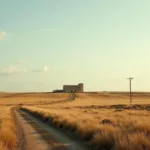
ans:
(130, 79)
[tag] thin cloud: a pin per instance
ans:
(45, 69)
(3, 35)
(11, 70)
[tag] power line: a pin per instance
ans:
(130, 79)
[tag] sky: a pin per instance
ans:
(45, 44)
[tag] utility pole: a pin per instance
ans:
(130, 79)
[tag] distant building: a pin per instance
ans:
(71, 88)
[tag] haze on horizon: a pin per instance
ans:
(46, 44)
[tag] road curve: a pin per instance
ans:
(35, 135)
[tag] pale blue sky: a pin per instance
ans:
(47, 43)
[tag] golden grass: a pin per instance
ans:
(129, 129)
(7, 129)
(31, 98)
(83, 99)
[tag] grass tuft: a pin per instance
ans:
(7, 130)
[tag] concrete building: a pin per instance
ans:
(73, 88)
(70, 88)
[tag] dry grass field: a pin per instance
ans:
(30, 98)
(7, 129)
(105, 120)
(84, 99)
(105, 128)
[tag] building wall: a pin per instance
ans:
(75, 88)
(81, 87)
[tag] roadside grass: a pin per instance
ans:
(101, 127)
(7, 129)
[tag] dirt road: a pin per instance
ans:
(36, 135)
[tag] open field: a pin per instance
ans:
(30, 98)
(105, 128)
(104, 120)
(83, 99)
